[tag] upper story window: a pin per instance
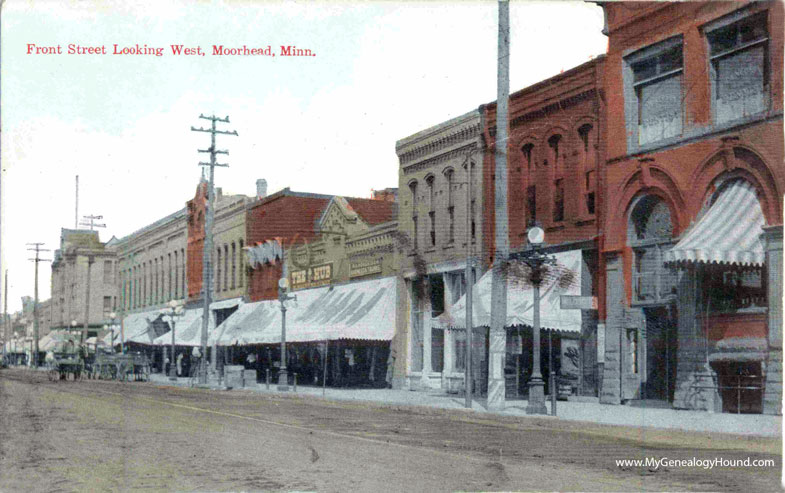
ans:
(431, 202)
(656, 88)
(739, 70)
(528, 155)
(553, 143)
(448, 175)
(413, 190)
(584, 132)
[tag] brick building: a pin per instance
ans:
(693, 180)
(292, 217)
(555, 147)
(434, 234)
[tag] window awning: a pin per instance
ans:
(520, 300)
(739, 349)
(728, 233)
(360, 310)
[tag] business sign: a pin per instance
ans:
(570, 359)
(358, 269)
(318, 275)
(569, 302)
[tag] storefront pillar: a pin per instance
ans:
(450, 291)
(772, 396)
(426, 336)
(610, 392)
(696, 381)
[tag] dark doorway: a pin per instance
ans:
(661, 348)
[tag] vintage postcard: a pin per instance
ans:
(254, 245)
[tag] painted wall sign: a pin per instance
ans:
(318, 275)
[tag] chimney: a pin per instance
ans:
(261, 188)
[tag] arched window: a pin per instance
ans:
(650, 233)
(226, 267)
(415, 232)
(584, 132)
(448, 177)
(588, 168)
(553, 143)
(217, 286)
(242, 264)
(234, 266)
(429, 181)
(528, 155)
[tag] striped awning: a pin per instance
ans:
(728, 233)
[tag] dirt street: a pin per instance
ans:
(111, 436)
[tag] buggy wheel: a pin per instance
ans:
(54, 375)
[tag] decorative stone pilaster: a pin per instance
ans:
(772, 396)
(610, 391)
(696, 382)
(425, 319)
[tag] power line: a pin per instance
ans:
(90, 221)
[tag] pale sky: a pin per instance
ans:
(325, 124)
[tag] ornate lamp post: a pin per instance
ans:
(175, 310)
(73, 328)
(535, 259)
(113, 317)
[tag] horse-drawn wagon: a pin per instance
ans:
(65, 363)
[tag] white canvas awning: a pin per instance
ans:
(728, 233)
(520, 301)
(362, 310)
(187, 330)
(136, 326)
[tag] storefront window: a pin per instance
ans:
(732, 290)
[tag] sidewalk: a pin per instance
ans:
(739, 424)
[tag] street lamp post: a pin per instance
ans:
(113, 316)
(73, 328)
(535, 259)
(174, 311)
(283, 377)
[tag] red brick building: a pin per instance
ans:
(556, 147)
(293, 218)
(693, 181)
(197, 212)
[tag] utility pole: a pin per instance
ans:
(5, 314)
(469, 287)
(36, 247)
(90, 221)
(76, 205)
(207, 269)
(498, 340)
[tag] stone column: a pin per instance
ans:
(426, 335)
(772, 396)
(448, 350)
(610, 392)
(696, 382)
